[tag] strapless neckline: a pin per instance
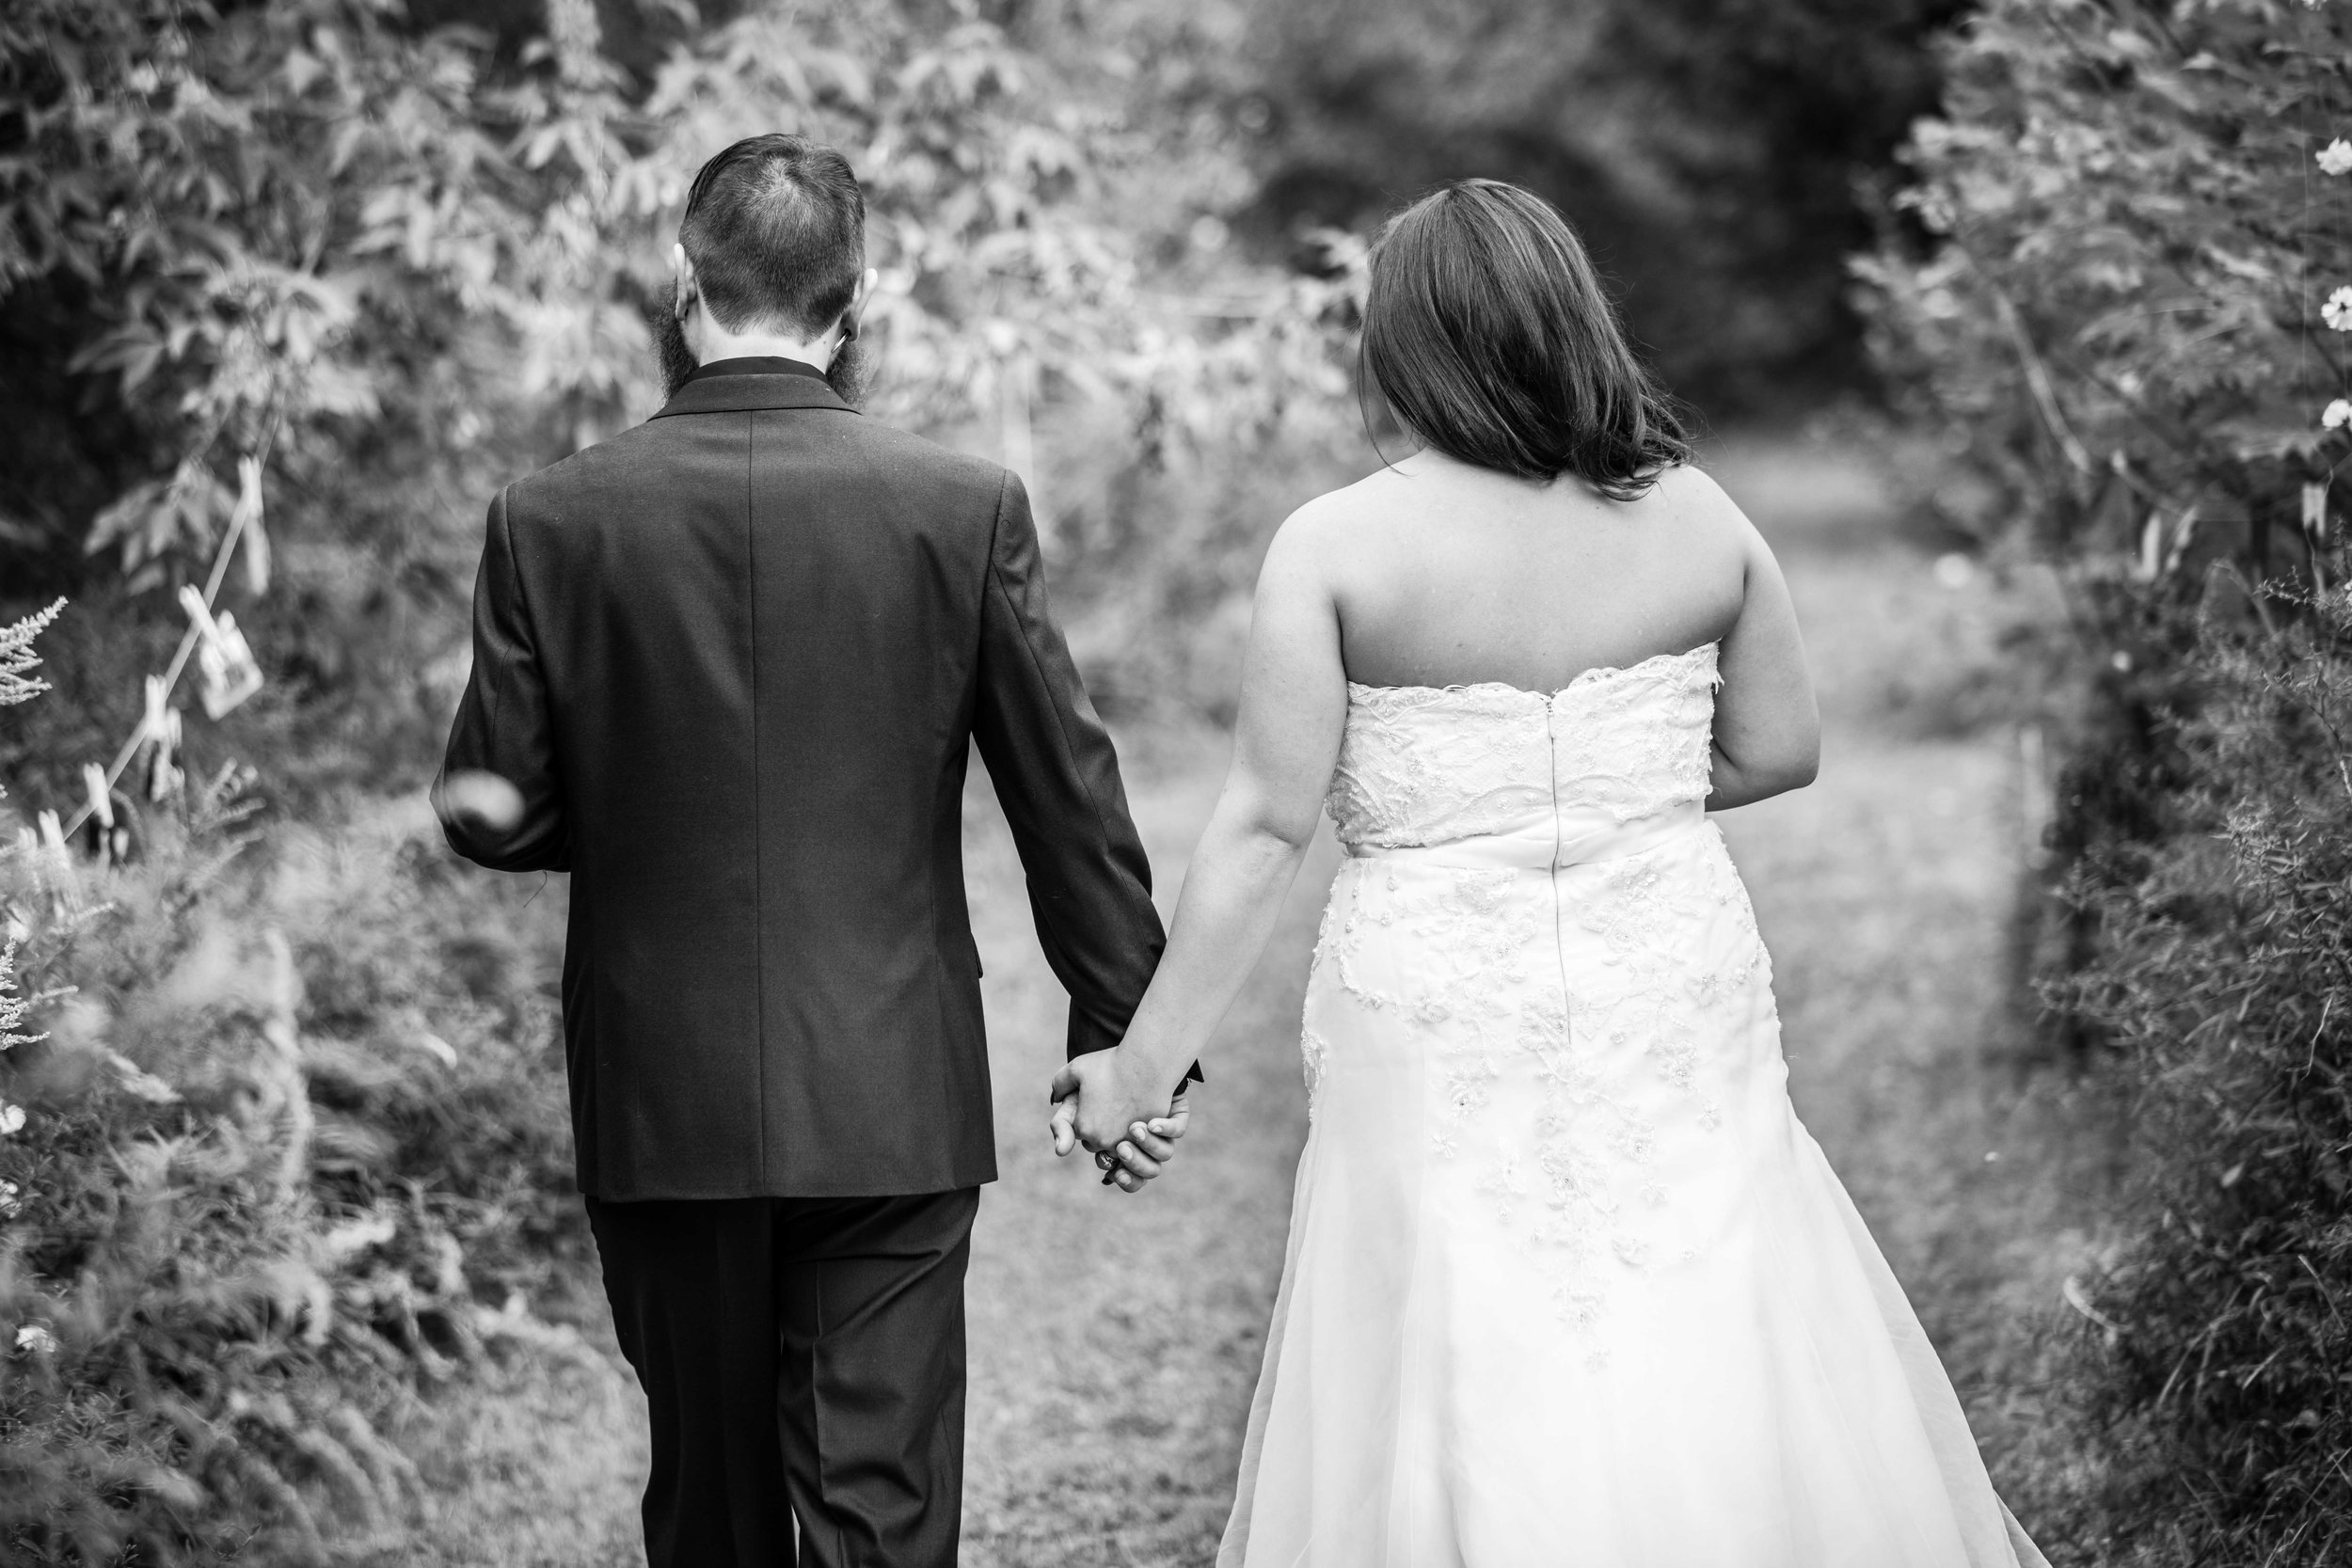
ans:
(1596, 673)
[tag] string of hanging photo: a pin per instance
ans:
(228, 675)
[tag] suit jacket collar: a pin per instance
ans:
(734, 386)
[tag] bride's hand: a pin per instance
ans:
(1107, 1102)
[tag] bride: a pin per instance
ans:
(1567, 1282)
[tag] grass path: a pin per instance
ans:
(1115, 1339)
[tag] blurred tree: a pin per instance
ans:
(1709, 149)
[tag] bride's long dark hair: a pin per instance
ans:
(1489, 336)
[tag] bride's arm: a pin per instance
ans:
(1294, 705)
(1768, 730)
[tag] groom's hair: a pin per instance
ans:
(775, 227)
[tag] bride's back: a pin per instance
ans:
(1550, 524)
(1447, 574)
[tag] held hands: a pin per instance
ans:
(1104, 1100)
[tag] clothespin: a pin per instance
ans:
(94, 784)
(64, 886)
(223, 659)
(111, 838)
(159, 733)
(255, 541)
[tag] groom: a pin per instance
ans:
(727, 668)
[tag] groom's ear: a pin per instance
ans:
(855, 315)
(684, 287)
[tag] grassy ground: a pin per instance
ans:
(1116, 1338)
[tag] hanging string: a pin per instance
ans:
(246, 514)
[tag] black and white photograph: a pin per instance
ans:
(1264, 784)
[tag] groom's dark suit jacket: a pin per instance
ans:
(734, 660)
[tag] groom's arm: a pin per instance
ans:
(503, 729)
(1057, 781)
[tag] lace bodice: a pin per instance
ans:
(1424, 765)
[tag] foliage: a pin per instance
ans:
(2120, 310)
(17, 657)
(1709, 149)
(270, 1163)
(248, 1188)
(401, 262)
(2116, 310)
(2223, 979)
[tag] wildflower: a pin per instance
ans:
(34, 1337)
(2337, 312)
(11, 1119)
(2337, 415)
(17, 656)
(12, 1200)
(2335, 158)
(13, 1005)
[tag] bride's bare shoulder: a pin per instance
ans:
(1334, 524)
(1700, 516)
(1690, 494)
(1353, 518)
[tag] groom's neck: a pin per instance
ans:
(714, 342)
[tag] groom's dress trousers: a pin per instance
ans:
(733, 662)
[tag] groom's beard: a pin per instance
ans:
(846, 375)
(669, 344)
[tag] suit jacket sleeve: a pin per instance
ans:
(503, 723)
(1057, 781)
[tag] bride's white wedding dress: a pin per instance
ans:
(1568, 1286)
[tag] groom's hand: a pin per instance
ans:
(1100, 1103)
(472, 797)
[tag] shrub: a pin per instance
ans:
(2109, 292)
(2222, 982)
(292, 1118)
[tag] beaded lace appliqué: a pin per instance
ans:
(1421, 766)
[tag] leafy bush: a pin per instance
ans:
(2112, 292)
(2222, 979)
(295, 1117)
(2113, 300)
